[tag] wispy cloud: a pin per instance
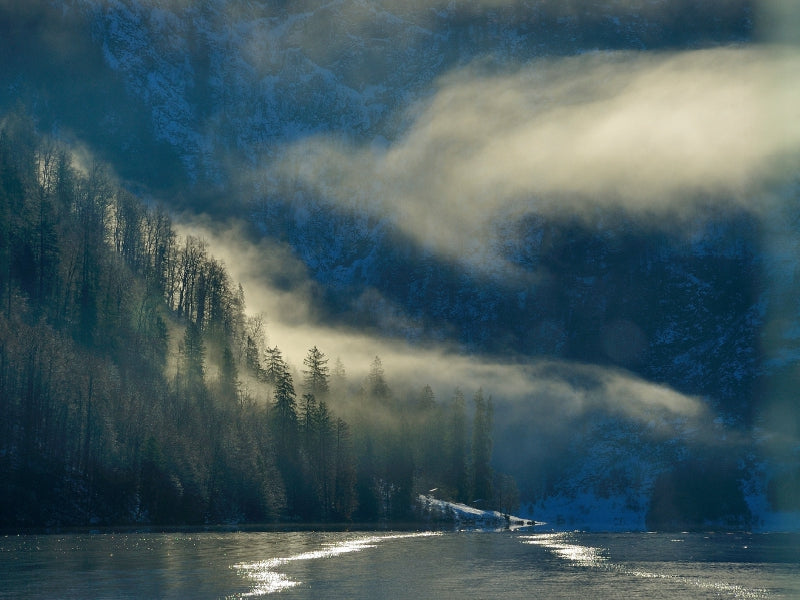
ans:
(653, 134)
(650, 133)
(561, 389)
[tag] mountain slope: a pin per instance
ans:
(322, 126)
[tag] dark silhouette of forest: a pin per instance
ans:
(135, 389)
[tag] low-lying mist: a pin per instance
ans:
(656, 134)
(564, 387)
(659, 136)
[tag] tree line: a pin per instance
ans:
(135, 388)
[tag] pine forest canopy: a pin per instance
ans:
(135, 388)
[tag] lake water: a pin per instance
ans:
(374, 565)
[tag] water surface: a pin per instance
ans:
(365, 565)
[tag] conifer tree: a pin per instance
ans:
(323, 471)
(456, 439)
(193, 352)
(338, 379)
(376, 381)
(316, 375)
(251, 358)
(344, 493)
(285, 403)
(427, 399)
(274, 366)
(428, 432)
(228, 375)
(482, 448)
(308, 413)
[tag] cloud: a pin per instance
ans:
(562, 389)
(652, 133)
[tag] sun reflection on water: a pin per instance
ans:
(268, 580)
(557, 543)
(597, 558)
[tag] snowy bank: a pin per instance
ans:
(463, 516)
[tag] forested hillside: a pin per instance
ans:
(589, 209)
(136, 389)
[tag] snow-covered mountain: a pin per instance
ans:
(233, 75)
(325, 125)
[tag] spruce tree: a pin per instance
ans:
(274, 366)
(376, 382)
(457, 463)
(316, 375)
(344, 493)
(285, 404)
(482, 449)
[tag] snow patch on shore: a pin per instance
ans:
(466, 517)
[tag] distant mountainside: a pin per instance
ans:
(219, 79)
(301, 118)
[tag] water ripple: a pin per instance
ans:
(268, 580)
(562, 546)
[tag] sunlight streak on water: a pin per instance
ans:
(585, 556)
(560, 545)
(363, 565)
(268, 580)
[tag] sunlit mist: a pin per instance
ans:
(651, 133)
